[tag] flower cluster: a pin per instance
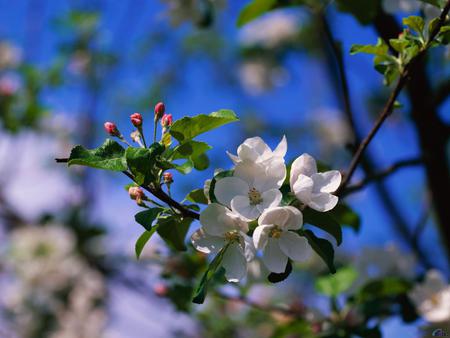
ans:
(249, 202)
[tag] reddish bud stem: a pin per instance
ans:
(160, 109)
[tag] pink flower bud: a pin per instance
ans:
(136, 119)
(111, 129)
(136, 193)
(168, 178)
(166, 120)
(160, 109)
(161, 290)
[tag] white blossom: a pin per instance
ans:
(10, 55)
(312, 188)
(271, 30)
(221, 227)
(258, 75)
(274, 236)
(252, 189)
(432, 298)
(254, 149)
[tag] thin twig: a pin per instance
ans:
(381, 175)
(388, 108)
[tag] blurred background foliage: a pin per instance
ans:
(68, 266)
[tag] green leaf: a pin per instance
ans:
(201, 162)
(288, 196)
(363, 11)
(173, 230)
(381, 48)
(184, 168)
(146, 217)
(322, 247)
(202, 289)
(190, 149)
(386, 287)
(197, 196)
(142, 240)
(416, 23)
(189, 127)
(279, 277)
(253, 10)
(345, 216)
(325, 222)
(143, 164)
(222, 174)
(334, 285)
(109, 156)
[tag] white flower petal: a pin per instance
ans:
(217, 220)
(281, 149)
(206, 243)
(271, 199)
(247, 153)
(241, 205)
(234, 263)
(274, 216)
(294, 246)
(327, 182)
(302, 188)
(229, 187)
(295, 220)
(249, 171)
(273, 258)
(233, 158)
(259, 146)
(249, 248)
(303, 165)
(261, 236)
(323, 201)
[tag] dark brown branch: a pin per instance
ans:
(387, 110)
(381, 175)
(157, 192)
(442, 93)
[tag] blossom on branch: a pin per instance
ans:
(312, 188)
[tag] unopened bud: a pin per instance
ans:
(166, 120)
(161, 290)
(137, 194)
(136, 119)
(160, 109)
(168, 178)
(111, 129)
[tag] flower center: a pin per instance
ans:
(435, 299)
(231, 236)
(275, 232)
(254, 196)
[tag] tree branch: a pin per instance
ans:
(157, 192)
(381, 175)
(442, 93)
(387, 110)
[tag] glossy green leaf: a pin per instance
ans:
(414, 22)
(197, 196)
(173, 230)
(334, 285)
(253, 10)
(147, 217)
(190, 149)
(142, 163)
(184, 168)
(109, 156)
(323, 221)
(201, 162)
(381, 48)
(322, 247)
(202, 289)
(189, 127)
(142, 241)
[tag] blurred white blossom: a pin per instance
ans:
(260, 75)
(432, 298)
(406, 6)
(271, 30)
(10, 55)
